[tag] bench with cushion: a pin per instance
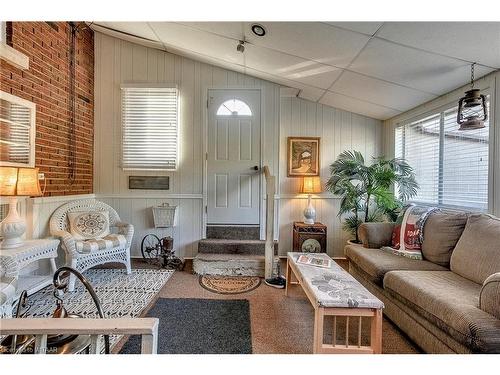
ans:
(334, 293)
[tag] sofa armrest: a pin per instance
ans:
(489, 296)
(375, 235)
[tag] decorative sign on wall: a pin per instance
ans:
(303, 156)
(149, 182)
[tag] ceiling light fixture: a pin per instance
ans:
(472, 112)
(258, 29)
(241, 46)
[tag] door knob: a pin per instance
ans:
(256, 168)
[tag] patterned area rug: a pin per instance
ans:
(229, 284)
(121, 295)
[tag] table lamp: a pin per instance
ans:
(16, 182)
(310, 185)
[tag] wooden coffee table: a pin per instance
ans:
(334, 292)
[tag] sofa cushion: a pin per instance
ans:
(109, 242)
(450, 302)
(442, 230)
(477, 253)
(376, 263)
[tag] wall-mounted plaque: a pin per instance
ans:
(149, 182)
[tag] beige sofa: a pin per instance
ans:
(450, 301)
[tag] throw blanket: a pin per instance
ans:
(408, 233)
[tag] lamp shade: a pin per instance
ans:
(311, 185)
(8, 181)
(19, 182)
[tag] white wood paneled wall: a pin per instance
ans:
(339, 130)
(117, 62)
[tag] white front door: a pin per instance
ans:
(233, 160)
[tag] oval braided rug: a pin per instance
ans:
(229, 284)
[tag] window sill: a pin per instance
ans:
(14, 57)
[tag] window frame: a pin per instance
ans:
(32, 131)
(439, 110)
(125, 86)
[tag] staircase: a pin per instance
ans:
(231, 251)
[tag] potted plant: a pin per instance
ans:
(366, 190)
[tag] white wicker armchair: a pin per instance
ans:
(59, 227)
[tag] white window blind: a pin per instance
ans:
(150, 128)
(17, 131)
(451, 166)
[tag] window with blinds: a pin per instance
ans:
(17, 131)
(451, 166)
(150, 128)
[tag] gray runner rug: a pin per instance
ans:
(199, 326)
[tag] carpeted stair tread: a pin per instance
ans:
(215, 256)
(225, 246)
(233, 232)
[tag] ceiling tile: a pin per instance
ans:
(203, 43)
(311, 41)
(471, 41)
(357, 106)
(234, 30)
(290, 67)
(368, 28)
(306, 92)
(138, 29)
(379, 92)
(414, 68)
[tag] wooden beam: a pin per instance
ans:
(84, 326)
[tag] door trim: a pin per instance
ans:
(205, 154)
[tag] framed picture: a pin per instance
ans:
(303, 156)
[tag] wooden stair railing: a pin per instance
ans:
(40, 328)
(269, 252)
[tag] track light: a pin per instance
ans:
(241, 46)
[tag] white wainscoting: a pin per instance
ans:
(339, 130)
(137, 210)
(39, 211)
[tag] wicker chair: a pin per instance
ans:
(59, 227)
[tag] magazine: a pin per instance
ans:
(314, 261)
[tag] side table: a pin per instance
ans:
(13, 260)
(309, 238)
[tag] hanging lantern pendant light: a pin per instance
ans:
(472, 111)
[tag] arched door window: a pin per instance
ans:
(234, 107)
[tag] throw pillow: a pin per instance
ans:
(89, 224)
(407, 236)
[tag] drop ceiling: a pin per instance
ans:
(377, 69)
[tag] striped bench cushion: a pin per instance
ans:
(108, 242)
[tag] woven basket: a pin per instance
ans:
(165, 216)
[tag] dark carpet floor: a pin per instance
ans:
(199, 326)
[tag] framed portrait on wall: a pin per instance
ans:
(303, 156)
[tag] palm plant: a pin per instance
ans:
(365, 190)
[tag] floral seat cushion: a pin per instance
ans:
(108, 242)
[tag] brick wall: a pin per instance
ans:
(46, 83)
